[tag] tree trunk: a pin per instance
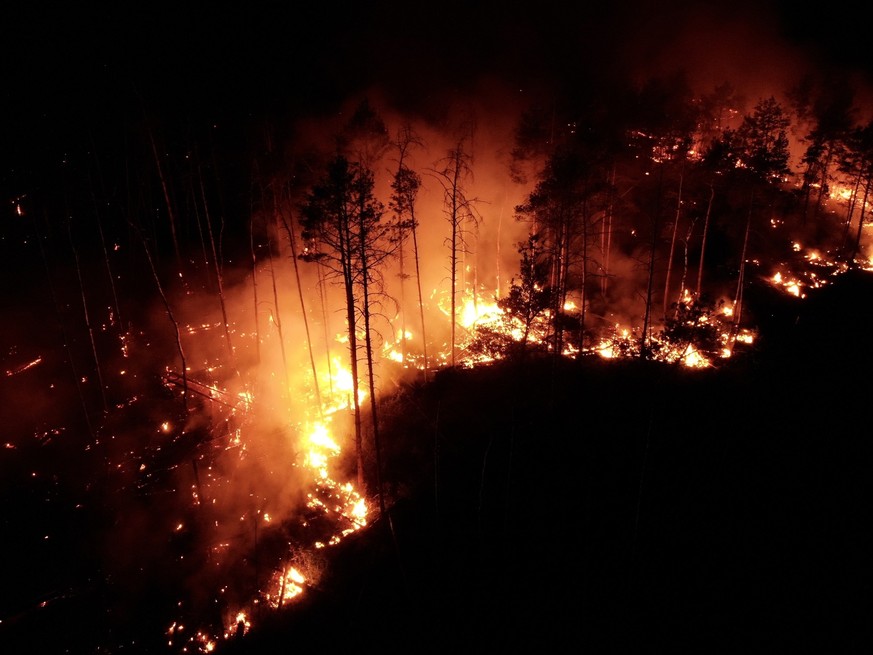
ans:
(169, 310)
(87, 318)
(738, 297)
(277, 319)
(255, 286)
(368, 346)
(703, 240)
(293, 242)
(218, 275)
(666, 301)
(645, 352)
(170, 213)
(853, 200)
(453, 257)
(420, 296)
(856, 247)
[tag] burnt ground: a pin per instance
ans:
(590, 505)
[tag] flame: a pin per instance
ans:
(340, 379)
(475, 311)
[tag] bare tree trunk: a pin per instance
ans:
(850, 211)
(196, 207)
(420, 296)
(353, 363)
(169, 310)
(459, 210)
(170, 213)
(322, 292)
(685, 242)
(77, 379)
(109, 273)
(403, 277)
(277, 319)
(498, 290)
(368, 345)
(87, 317)
(645, 351)
(453, 256)
(218, 275)
(584, 282)
(406, 185)
(857, 245)
(738, 297)
(703, 240)
(606, 244)
(561, 296)
(672, 247)
(255, 286)
(293, 243)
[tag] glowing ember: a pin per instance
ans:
(24, 367)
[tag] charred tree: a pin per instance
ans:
(344, 232)
(454, 172)
(404, 187)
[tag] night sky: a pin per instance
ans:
(71, 72)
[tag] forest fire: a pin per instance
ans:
(341, 508)
(212, 388)
(813, 271)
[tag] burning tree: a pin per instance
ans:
(405, 187)
(755, 159)
(529, 294)
(454, 173)
(829, 110)
(565, 211)
(344, 232)
(857, 162)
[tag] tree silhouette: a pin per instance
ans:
(454, 173)
(344, 232)
(404, 191)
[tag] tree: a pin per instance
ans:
(716, 110)
(344, 232)
(529, 294)
(662, 128)
(563, 211)
(760, 152)
(454, 172)
(404, 191)
(857, 161)
(762, 142)
(831, 110)
(364, 138)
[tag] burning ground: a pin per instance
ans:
(608, 503)
(614, 505)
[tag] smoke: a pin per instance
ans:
(207, 482)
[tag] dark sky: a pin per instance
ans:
(73, 72)
(191, 53)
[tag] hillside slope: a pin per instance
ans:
(615, 506)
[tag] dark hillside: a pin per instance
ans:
(618, 505)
